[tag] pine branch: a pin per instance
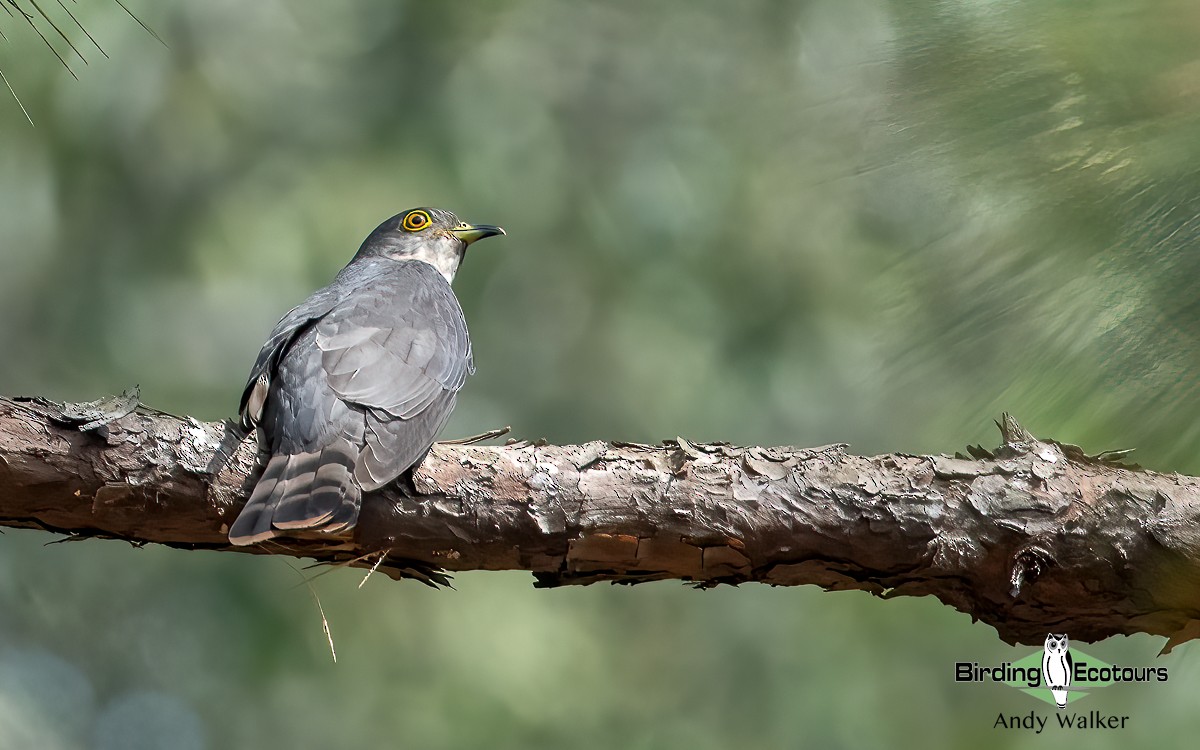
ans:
(1030, 537)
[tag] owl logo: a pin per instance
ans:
(1057, 668)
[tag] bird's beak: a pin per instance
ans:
(469, 233)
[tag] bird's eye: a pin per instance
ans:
(415, 221)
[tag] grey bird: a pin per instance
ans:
(356, 382)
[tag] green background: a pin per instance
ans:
(769, 223)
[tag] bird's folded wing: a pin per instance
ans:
(398, 347)
(287, 330)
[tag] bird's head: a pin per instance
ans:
(432, 235)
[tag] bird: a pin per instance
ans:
(1057, 666)
(354, 384)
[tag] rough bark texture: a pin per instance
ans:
(1032, 538)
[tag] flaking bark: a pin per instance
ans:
(1030, 538)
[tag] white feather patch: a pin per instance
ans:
(258, 399)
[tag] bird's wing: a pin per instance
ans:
(399, 349)
(285, 333)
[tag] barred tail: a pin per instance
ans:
(311, 491)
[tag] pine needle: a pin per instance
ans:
(321, 610)
(61, 33)
(29, 20)
(17, 98)
(329, 567)
(14, 9)
(149, 30)
(374, 568)
(85, 31)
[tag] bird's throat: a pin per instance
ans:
(446, 263)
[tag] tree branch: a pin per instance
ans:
(1032, 538)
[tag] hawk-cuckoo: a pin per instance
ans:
(355, 383)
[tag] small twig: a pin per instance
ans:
(64, 540)
(498, 432)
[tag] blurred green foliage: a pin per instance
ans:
(800, 223)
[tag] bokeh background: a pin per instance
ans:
(792, 223)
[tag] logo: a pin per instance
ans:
(1059, 676)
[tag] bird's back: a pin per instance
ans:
(350, 391)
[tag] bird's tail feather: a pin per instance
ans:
(253, 524)
(314, 491)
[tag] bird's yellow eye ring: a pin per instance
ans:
(415, 221)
